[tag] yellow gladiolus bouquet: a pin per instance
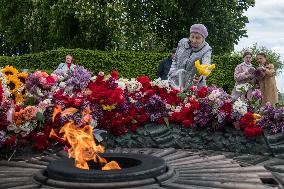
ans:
(204, 69)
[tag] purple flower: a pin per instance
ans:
(111, 83)
(31, 81)
(80, 78)
(2, 138)
(257, 94)
(259, 73)
(156, 108)
(204, 115)
(77, 119)
(97, 111)
(272, 118)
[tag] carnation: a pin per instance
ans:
(161, 84)
(244, 87)
(240, 106)
(133, 85)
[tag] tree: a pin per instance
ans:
(37, 25)
(14, 38)
(223, 18)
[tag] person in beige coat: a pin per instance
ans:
(265, 74)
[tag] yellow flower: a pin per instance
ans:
(204, 69)
(17, 96)
(256, 117)
(13, 83)
(108, 107)
(22, 77)
(9, 70)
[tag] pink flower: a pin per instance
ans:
(193, 88)
(43, 81)
(51, 79)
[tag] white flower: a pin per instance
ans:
(38, 91)
(243, 87)
(93, 123)
(168, 106)
(4, 85)
(133, 85)
(121, 85)
(11, 127)
(44, 104)
(178, 109)
(240, 106)
(214, 94)
(132, 100)
(62, 84)
(161, 84)
(26, 127)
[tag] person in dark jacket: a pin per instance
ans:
(165, 65)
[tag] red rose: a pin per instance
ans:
(194, 104)
(23, 143)
(161, 120)
(202, 92)
(187, 123)
(114, 74)
(134, 127)
(1, 92)
(142, 118)
(99, 78)
(145, 81)
(176, 117)
(11, 142)
(150, 92)
(252, 132)
(77, 102)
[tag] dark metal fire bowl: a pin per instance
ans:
(134, 167)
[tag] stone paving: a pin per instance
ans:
(190, 169)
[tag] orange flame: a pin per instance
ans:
(83, 147)
(110, 166)
(57, 109)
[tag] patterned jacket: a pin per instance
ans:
(183, 69)
(63, 68)
(244, 73)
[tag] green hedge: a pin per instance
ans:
(129, 64)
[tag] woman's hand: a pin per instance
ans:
(196, 79)
(251, 70)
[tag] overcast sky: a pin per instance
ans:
(266, 28)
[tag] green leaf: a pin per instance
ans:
(166, 119)
(39, 117)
